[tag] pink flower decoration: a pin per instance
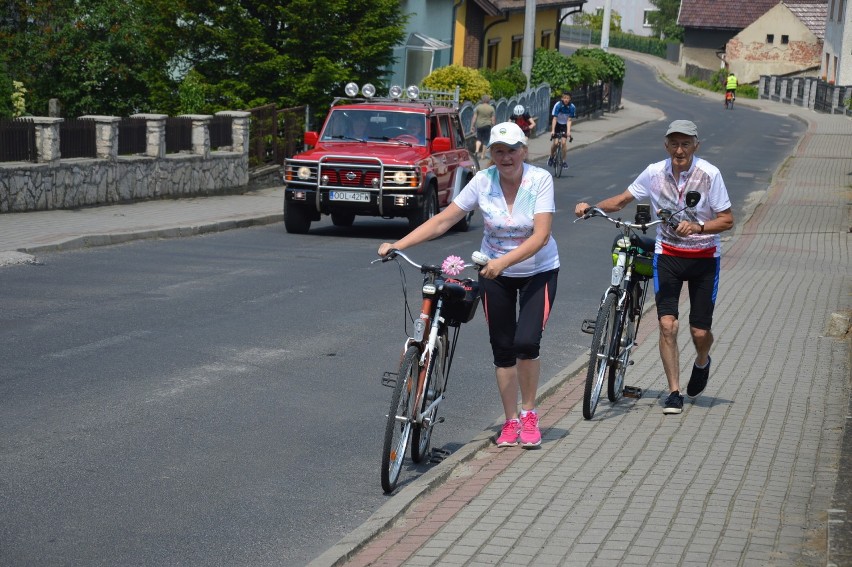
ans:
(453, 265)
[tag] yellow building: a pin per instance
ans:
(491, 33)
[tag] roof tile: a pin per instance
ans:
(722, 14)
(811, 13)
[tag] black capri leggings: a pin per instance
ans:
(516, 310)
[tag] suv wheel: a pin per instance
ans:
(297, 220)
(426, 212)
(342, 219)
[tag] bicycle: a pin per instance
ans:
(558, 156)
(729, 100)
(421, 382)
(616, 326)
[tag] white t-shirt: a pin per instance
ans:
(658, 185)
(505, 231)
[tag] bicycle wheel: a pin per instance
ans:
(422, 433)
(557, 163)
(622, 340)
(599, 360)
(398, 428)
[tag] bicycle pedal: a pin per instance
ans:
(438, 455)
(588, 326)
(632, 392)
(389, 379)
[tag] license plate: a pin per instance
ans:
(350, 196)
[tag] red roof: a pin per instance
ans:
(722, 14)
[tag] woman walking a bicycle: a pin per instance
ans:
(688, 253)
(518, 284)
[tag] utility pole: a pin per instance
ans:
(529, 40)
(605, 28)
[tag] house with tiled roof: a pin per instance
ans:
(472, 33)
(786, 40)
(710, 24)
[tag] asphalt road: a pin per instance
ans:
(216, 400)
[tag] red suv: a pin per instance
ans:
(379, 157)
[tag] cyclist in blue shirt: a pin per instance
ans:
(563, 113)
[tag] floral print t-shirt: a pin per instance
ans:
(505, 230)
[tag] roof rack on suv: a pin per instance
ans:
(413, 94)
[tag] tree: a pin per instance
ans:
(124, 56)
(664, 20)
(252, 52)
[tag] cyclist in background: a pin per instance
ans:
(563, 113)
(522, 118)
(731, 86)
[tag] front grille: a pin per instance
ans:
(333, 172)
(351, 177)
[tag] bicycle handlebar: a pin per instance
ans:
(478, 257)
(596, 212)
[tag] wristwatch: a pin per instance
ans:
(701, 224)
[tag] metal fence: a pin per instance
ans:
(77, 138)
(17, 139)
(275, 134)
(132, 136)
(178, 134)
(221, 134)
(810, 92)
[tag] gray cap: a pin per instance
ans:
(682, 127)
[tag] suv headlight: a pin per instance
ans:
(304, 172)
(400, 177)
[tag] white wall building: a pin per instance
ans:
(837, 49)
(634, 14)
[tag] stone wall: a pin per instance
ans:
(56, 183)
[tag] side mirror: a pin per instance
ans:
(311, 138)
(692, 198)
(441, 144)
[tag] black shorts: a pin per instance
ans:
(702, 278)
(484, 134)
(561, 128)
(516, 310)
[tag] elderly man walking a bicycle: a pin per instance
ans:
(688, 251)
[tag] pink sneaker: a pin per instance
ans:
(509, 435)
(530, 434)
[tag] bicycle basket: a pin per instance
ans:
(461, 303)
(643, 262)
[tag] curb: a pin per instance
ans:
(400, 502)
(106, 239)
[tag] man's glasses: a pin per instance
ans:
(685, 146)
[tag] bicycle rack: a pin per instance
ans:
(389, 379)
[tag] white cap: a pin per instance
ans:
(507, 133)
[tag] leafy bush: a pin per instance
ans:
(507, 82)
(472, 85)
(588, 70)
(743, 91)
(553, 68)
(613, 67)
